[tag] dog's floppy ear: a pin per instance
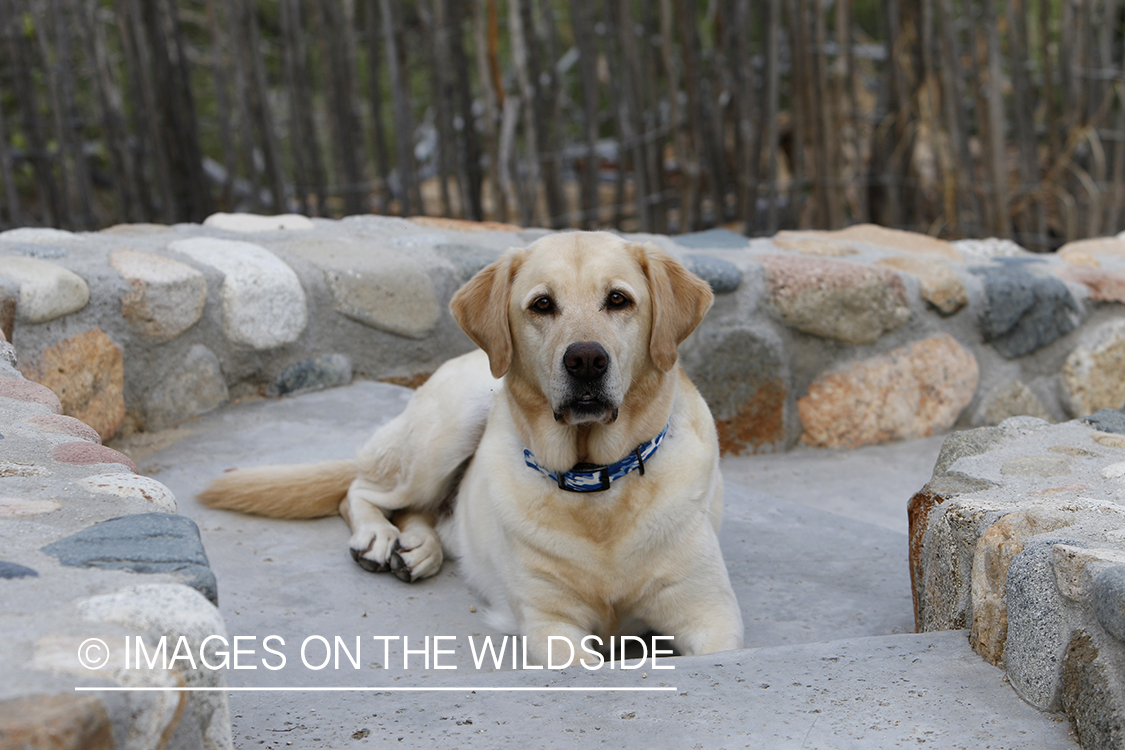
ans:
(480, 307)
(680, 299)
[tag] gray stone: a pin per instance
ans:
(1107, 420)
(258, 223)
(1025, 311)
(32, 250)
(722, 275)
(1109, 601)
(382, 288)
(1088, 697)
(131, 485)
(315, 374)
(39, 235)
(1091, 376)
(1076, 569)
(1014, 400)
(943, 535)
(1037, 629)
(194, 387)
(165, 298)
(938, 283)
(1037, 466)
(8, 360)
(9, 299)
(467, 259)
(994, 551)
(989, 248)
(142, 543)
(955, 483)
(15, 570)
(713, 239)
(419, 240)
(47, 290)
(741, 374)
(160, 609)
(263, 301)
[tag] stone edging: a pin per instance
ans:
(1020, 536)
(74, 582)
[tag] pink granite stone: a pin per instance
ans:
(847, 302)
(1104, 285)
(25, 390)
(88, 453)
(66, 426)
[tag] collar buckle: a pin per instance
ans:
(603, 478)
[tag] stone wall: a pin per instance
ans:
(832, 339)
(81, 523)
(1020, 536)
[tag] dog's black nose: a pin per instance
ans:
(586, 360)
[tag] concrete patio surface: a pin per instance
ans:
(816, 545)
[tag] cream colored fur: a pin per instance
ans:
(643, 554)
(284, 491)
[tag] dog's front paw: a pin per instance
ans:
(373, 549)
(417, 555)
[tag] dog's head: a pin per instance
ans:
(581, 316)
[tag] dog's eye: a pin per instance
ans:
(617, 301)
(543, 305)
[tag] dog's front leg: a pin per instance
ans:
(374, 537)
(699, 610)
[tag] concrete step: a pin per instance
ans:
(926, 690)
(817, 556)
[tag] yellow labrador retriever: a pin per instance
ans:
(570, 465)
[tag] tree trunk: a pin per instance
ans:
(11, 197)
(485, 42)
(337, 23)
(469, 166)
(71, 121)
(107, 100)
(28, 99)
(520, 58)
(772, 10)
(441, 95)
(633, 134)
(222, 102)
(681, 129)
(997, 160)
(404, 123)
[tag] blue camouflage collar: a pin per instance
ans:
(592, 478)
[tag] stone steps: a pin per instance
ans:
(925, 690)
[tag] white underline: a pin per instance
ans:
(371, 689)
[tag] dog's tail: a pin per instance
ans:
(292, 491)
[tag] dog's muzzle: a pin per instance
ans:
(586, 364)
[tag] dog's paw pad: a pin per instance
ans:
(400, 568)
(422, 561)
(371, 549)
(371, 566)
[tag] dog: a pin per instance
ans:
(569, 462)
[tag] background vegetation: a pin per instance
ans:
(953, 117)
